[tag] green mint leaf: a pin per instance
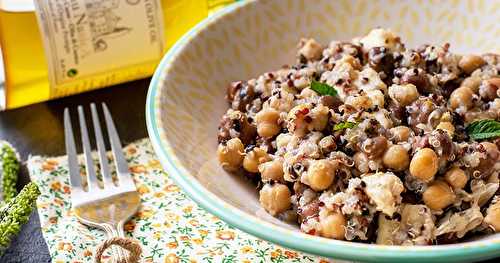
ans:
(483, 129)
(323, 88)
(344, 125)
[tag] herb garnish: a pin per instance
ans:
(483, 129)
(323, 88)
(344, 125)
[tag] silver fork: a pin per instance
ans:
(108, 207)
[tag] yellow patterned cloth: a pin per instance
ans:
(169, 226)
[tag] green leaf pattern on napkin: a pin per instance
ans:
(170, 226)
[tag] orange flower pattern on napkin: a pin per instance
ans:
(170, 227)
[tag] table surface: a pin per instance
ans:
(38, 130)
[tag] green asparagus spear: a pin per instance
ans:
(10, 169)
(16, 212)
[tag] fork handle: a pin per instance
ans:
(112, 231)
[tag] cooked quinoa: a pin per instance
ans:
(369, 141)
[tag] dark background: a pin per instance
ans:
(38, 130)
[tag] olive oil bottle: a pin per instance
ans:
(54, 48)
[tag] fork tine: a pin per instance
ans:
(101, 149)
(116, 147)
(74, 172)
(89, 164)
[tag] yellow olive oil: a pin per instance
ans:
(28, 77)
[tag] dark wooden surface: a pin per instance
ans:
(38, 130)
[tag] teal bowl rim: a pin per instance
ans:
(477, 250)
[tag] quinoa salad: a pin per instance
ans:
(371, 141)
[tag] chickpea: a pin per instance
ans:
(424, 164)
(272, 170)
(472, 83)
(396, 158)
(401, 133)
(448, 127)
(493, 216)
(254, 158)
(267, 122)
(438, 195)
(361, 162)
(461, 97)
(333, 226)
(275, 198)
(231, 155)
(469, 63)
(456, 178)
(403, 94)
(321, 174)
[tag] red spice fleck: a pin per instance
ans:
(303, 111)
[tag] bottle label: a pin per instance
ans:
(84, 39)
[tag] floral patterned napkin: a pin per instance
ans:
(170, 227)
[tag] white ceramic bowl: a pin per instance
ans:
(186, 99)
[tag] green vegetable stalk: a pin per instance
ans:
(10, 169)
(15, 213)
